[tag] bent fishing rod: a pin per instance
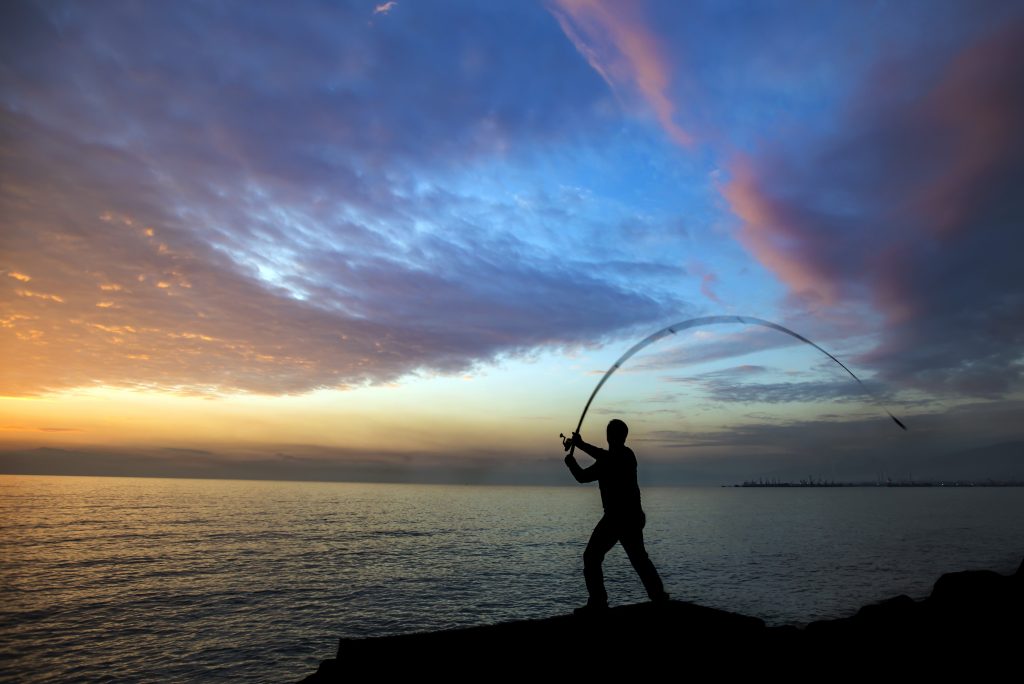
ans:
(712, 320)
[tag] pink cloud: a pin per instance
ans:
(619, 46)
(778, 236)
(979, 110)
(913, 209)
(708, 279)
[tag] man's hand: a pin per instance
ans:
(567, 442)
(575, 440)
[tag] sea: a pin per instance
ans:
(177, 580)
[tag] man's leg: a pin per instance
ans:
(602, 539)
(633, 542)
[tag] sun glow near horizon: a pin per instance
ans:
(512, 409)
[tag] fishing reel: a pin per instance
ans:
(566, 441)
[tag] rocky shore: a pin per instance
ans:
(972, 619)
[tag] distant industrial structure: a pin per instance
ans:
(882, 481)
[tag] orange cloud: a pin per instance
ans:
(40, 295)
(118, 329)
(618, 46)
(19, 276)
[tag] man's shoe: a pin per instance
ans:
(591, 609)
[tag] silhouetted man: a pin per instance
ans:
(624, 519)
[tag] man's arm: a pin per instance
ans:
(596, 453)
(582, 475)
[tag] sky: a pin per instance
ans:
(402, 241)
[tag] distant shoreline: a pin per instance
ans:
(879, 484)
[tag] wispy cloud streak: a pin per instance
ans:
(618, 45)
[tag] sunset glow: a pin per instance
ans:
(401, 240)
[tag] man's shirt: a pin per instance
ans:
(615, 472)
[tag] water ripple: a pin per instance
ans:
(186, 580)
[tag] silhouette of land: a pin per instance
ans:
(887, 483)
(971, 618)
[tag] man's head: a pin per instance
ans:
(617, 432)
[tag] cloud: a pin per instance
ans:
(283, 462)
(734, 385)
(851, 448)
(618, 45)
(714, 346)
(198, 214)
(745, 370)
(781, 392)
(184, 315)
(910, 212)
(708, 279)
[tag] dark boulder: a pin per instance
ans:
(971, 617)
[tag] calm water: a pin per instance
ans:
(123, 579)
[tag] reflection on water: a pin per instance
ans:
(176, 580)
